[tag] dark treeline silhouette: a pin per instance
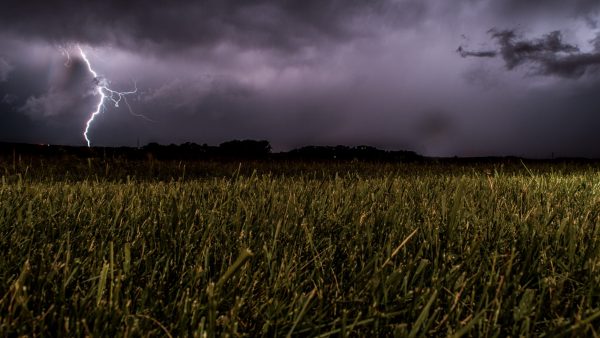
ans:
(246, 149)
(236, 149)
(360, 153)
(242, 150)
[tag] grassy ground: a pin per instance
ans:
(395, 250)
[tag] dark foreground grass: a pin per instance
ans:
(431, 254)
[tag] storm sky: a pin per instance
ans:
(443, 78)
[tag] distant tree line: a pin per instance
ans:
(242, 149)
(236, 149)
(360, 153)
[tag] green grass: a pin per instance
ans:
(395, 250)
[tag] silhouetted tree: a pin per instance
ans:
(245, 148)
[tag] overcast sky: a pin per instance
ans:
(461, 77)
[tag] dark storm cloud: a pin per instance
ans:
(169, 26)
(481, 54)
(548, 55)
(516, 52)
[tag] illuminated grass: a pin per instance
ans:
(437, 253)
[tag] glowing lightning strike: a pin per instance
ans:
(105, 93)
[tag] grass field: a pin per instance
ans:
(175, 249)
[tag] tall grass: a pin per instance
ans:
(447, 253)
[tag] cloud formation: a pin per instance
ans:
(547, 55)
(298, 72)
(66, 94)
(5, 69)
(481, 54)
(285, 26)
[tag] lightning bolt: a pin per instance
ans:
(102, 88)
